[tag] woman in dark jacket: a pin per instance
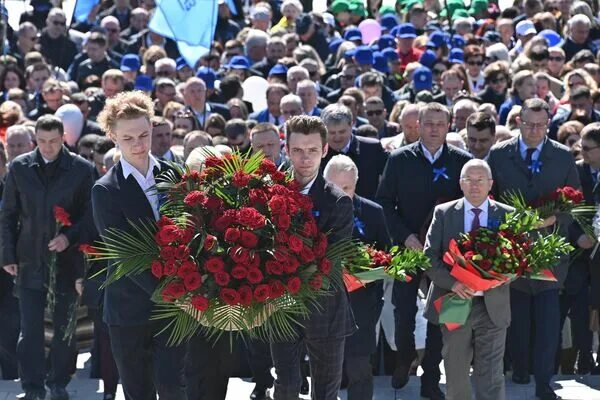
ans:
(496, 84)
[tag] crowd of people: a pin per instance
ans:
(447, 100)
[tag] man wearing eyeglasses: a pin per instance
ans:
(474, 61)
(26, 41)
(345, 80)
(535, 166)
(55, 45)
(377, 116)
(582, 109)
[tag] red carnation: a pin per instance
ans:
(194, 198)
(62, 216)
(325, 266)
(262, 292)
(230, 296)
(157, 269)
(222, 278)
(258, 196)
(291, 266)
(170, 268)
(213, 203)
(232, 235)
(176, 289)
(192, 281)
(278, 189)
(282, 221)
(168, 234)
(239, 272)
(186, 236)
(167, 253)
(310, 228)
(273, 267)
(307, 255)
(248, 239)
(88, 250)
(164, 221)
(212, 162)
(277, 289)
(281, 237)
(251, 218)
(191, 176)
(245, 293)
(316, 282)
(239, 255)
(253, 261)
(277, 204)
(296, 244)
(254, 276)
(222, 223)
(182, 252)
(214, 264)
(200, 303)
(293, 285)
(278, 176)
(267, 166)
(209, 242)
(186, 268)
(240, 179)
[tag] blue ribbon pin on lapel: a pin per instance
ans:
(360, 226)
(535, 167)
(439, 173)
(315, 213)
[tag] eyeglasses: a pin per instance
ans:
(532, 126)
(477, 182)
(163, 73)
(557, 58)
(498, 80)
(372, 113)
(61, 23)
(588, 149)
(478, 62)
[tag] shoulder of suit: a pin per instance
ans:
(446, 206)
(455, 151)
(580, 164)
(556, 146)
(368, 141)
(109, 179)
(23, 159)
(335, 191)
(79, 161)
(504, 145)
(405, 151)
(502, 206)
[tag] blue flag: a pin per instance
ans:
(83, 8)
(191, 54)
(189, 21)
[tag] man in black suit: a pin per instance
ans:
(535, 166)
(194, 96)
(121, 10)
(324, 331)
(367, 153)
(582, 109)
(408, 199)
(367, 302)
(146, 364)
(162, 129)
(36, 182)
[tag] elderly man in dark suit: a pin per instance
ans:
(483, 336)
(369, 227)
(324, 331)
(145, 363)
(415, 179)
(367, 153)
(535, 166)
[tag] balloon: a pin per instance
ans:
(370, 29)
(255, 91)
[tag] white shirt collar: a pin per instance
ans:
(129, 169)
(483, 207)
(523, 148)
(306, 188)
(430, 157)
(346, 148)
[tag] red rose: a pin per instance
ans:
(186, 268)
(296, 244)
(240, 179)
(277, 204)
(164, 221)
(191, 176)
(194, 198)
(307, 255)
(239, 272)
(168, 234)
(230, 296)
(232, 235)
(325, 266)
(245, 293)
(281, 237)
(222, 223)
(187, 235)
(222, 278)
(167, 253)
(239, 255)
(261, 293)
(292, 206)
(282, 221)
(258, 196)
(254, 276)
(209, 242)
(293, 285)
(278, 189)
(213, 203)
(214, 264)
(293, 185)
(170, 268)
(278, 176)
(200, 303)
(212, 161)
(267, 166)
(88, 249)
(305, 203)
(310, 228)
(62, 216)
(192, 281)
(281, 254)
(277, 289)
(273, 267)
(157, 269)
(248, 239)
(251, 218)
(176, 289)
(316, 282)
(182, 252)
(291, 266)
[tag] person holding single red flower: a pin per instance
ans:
(46, 178)
(481, 339)
(146, 364)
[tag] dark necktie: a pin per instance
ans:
(476, 223)
(529, 160)
(276, 121)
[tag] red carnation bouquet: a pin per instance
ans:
(484, 259)
(373, 264)
(62, 218)
(237, 249)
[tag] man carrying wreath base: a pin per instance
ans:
(482, 338)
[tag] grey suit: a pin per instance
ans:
(484, 333)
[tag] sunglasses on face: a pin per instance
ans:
(557, 58)
(477, 62)
(61, 23)
(498, 80)
(372, 113)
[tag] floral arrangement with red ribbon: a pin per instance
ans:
(237, 249)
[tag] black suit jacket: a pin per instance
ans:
(333, 211)
(116, 201)
(370, 158)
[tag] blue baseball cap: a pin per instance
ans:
(388, 21)
(278, 69)
(456, 56)
(130, 62)
(349, 54)
(386, 41)
(422, 79)
(181, 63)
(428, 58)
(432, 26)
(363, 55)
(552, 38)
(335, 44)
(352, 34)
(208, 75)
(238, 62)
(406, 31)
(143, 82)
(492, 37)
(457, 41)
(390, 54)
(437, 39)
(380, 63)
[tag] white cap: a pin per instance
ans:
(525, 28)
(329, 19)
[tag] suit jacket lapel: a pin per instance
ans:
(136, 204)
(457, 218)
(515, 155)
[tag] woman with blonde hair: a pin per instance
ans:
(577, 77)
(523, 88)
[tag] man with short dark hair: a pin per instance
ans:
(265, 137)
(55, 44)
(36, 182)
(582, 110)
(377, 116)
(238, 136)
(481, 134)
(98, 60)
(161, 140)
